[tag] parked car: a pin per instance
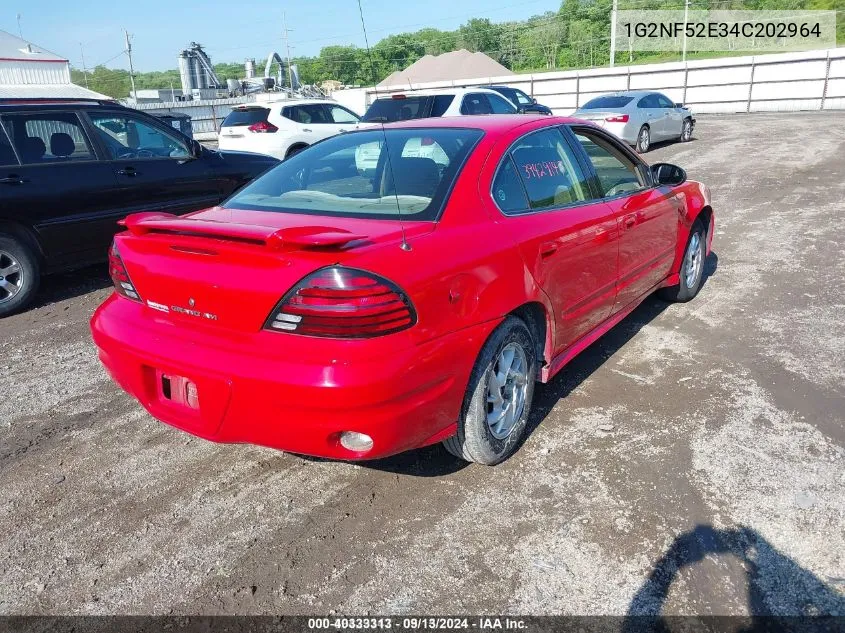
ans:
(422, 104)
(332, 311)
(639, 118)
(70, 170)
(283, 128)
(523, 103)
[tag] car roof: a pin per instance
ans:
(493, 123)
(432, 92)
(56, 104)
(629, 93)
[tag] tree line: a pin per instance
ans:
(577, 35)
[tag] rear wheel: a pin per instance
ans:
(498, 398)
(643, 140)
(19, 274)
(295, 149)
(692, 267)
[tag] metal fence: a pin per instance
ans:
(813, 80)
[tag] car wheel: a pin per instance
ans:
(686, 131)
(295, 150)
(19, 274)
(692, 267)
(643, 140)
(498, 398)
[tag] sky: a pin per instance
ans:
(231, 31)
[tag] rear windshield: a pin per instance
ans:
(359, 175)
(607, 103)
(392, 109)
(245, 116)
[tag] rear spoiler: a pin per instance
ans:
(271, 237)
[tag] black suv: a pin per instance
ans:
(524, 103)
(70, 170)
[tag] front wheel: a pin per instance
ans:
(686, 131)
(692, 267)
(643, 140)
(498, 399)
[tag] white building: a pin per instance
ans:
(30, 72)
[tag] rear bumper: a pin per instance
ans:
(264, 388)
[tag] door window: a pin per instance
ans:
(500, 105)
(126, 136)
(441, 103)
(664, 102)
(340, 114)
(476, 103)
(7, 154)
(547, 170)
(617, 174)
(648, 101)
(48, 138)
(308, 114)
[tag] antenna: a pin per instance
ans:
(404, 246)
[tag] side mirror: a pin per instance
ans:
(667, 174)
(196, 148)
(534, 100)
(679, 105)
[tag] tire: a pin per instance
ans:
(20, 274)
(643, 140)
(692, 267)
(686, 131)
(292, 151)
(477, 440)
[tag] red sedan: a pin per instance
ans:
(394, 287)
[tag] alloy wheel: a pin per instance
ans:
(693, 261)
(506, 390)
(11, 276)
(644, 140)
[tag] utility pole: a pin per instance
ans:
(287, 48)
(84, 70)
(131, 68)
(613, 13)
(686, 19)
(20, 32)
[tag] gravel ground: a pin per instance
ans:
(689, 462)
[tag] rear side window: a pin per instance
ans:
(507, 189)
(548, 170)
(50, 137)
(7, 154)
(440, 104)
(397, 109)
(246, 117)
(649, 101)
(361, 174)
(607, 103)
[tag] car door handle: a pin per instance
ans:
(629, 221)
(306, 129)
(549, 248)
(601, 236)
(127, 171)
(12, 179)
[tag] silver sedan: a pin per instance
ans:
(639, 118)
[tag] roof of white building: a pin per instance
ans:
(49, 91)
(13, 48)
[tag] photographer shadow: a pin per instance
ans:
(782, 595)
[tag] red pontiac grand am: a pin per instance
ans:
(394, 287)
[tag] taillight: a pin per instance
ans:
(622, 118)
(343, 302)
(119, 276)
(263, 126)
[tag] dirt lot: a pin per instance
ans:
(691, 461)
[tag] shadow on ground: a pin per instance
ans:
(67, 285)
(781, 593)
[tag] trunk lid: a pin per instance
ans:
(229, 268)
